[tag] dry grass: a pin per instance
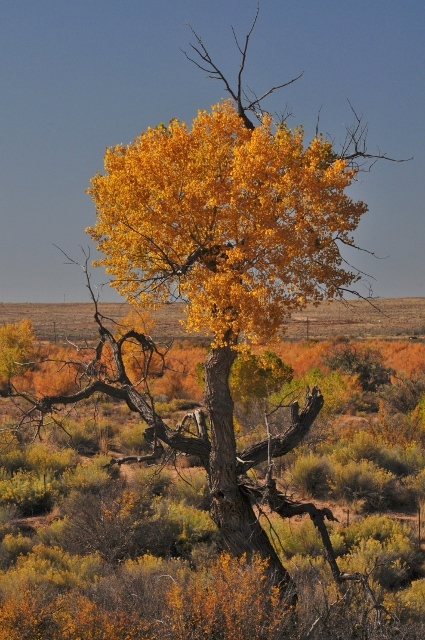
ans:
(356, 319)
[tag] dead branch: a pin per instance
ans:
(281, 444)
(204, 62)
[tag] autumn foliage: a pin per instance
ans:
(231, 220)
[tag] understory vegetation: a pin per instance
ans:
(90, 549)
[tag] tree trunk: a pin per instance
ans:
(231, 510)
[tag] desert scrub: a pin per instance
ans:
(383, 547)
(230, 599)
(30, 492)
(50, 567)
(369, 488)
(85, 436)
(130, 439)
(89, 477)
(311, 475)
(13, 546)
(335, 387)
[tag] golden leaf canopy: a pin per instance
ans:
(245, 226)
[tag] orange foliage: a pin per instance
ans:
(302, 356)
(35, 615)
(179, 379)
(54, 375)
(231, 599)
(406, 357)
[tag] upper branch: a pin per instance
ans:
(354, 148)
(209, 66)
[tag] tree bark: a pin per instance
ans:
(231, 510)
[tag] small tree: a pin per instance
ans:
(367, 364)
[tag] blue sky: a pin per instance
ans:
(76, 77)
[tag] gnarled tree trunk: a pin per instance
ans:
(231, 510)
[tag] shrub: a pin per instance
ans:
(367, 365)
(311, 475)
(130, 439)
(230, 599)
(292, 538)
(392, 563)
(32, 493)
(368, 446)
(89, 478)
(404, 395)
(87, 437)
(191, 488)
(51, 567)
(12, 547)
(369, 487)
(254, 377)
(384, 547)
(16, 341)
(412, 600)
(335, 387)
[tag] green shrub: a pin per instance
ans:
(291, 537)
(311, 475)
(392, 563)
(369, 487)
(367, 446)
(130, 439)
(89, 477)
(412, 600)
(12, 547)
(190, 488)
(376, 527)
(87, 437)
(32, 493)
(335, 387)
(51, 568)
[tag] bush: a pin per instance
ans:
(89, 478)
(86, 437)
(369, 488)
(367, 365)
(311, 475)
(32, 493)
(230, 599)
(412, 600)
(404, 395)
(12, 547)
(255, 377)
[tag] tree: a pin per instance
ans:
(245, 225)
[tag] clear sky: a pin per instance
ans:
(76, 77)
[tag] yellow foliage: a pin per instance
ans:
(16, 341)
(231, 220)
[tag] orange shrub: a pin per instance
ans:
(231, 599)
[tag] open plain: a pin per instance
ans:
(357, 319)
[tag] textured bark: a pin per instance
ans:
(231, 510)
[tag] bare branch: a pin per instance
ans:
(282, 444)
(214, 72)
(354, 148)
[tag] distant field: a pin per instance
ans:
(357, 319)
